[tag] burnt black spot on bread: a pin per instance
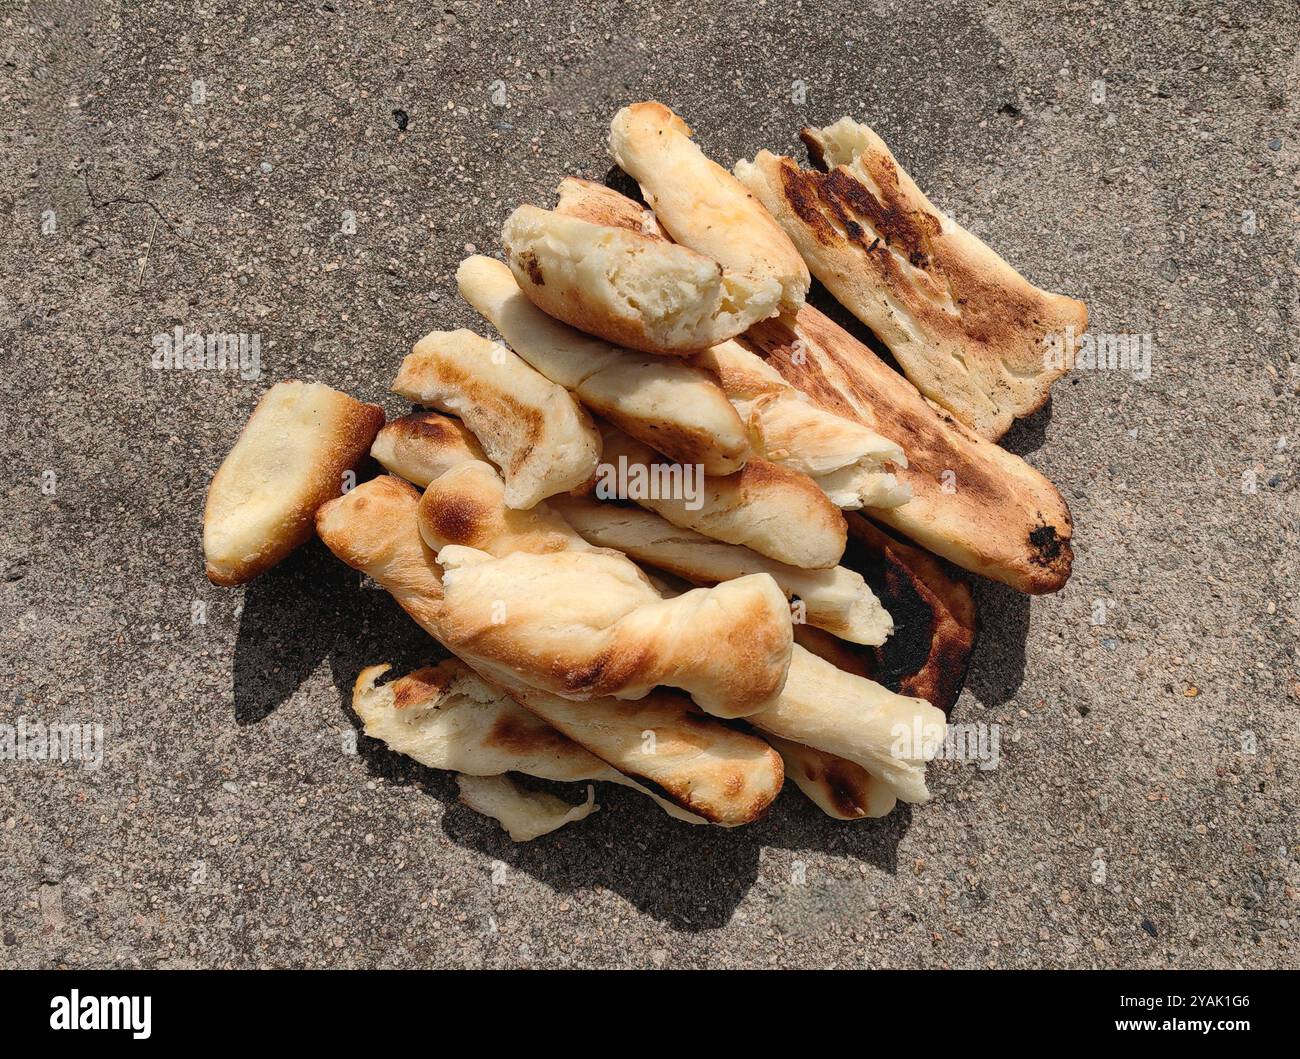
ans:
(802, 192)
(1046, 544)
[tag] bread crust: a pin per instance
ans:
(832, 710)
(446, 716)
(724, 776)
(699, 203)
(775, 511)
(678, 409)
(465, 506)
(524, 814)
(853, 465)
(973, 502)
(630, 288)
(289, 459)
(966, 328)
(852, 717)
(420, 446)
(839, 788)
(586, 623)
(835, 599)
(543, 441)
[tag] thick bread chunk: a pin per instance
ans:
(835, 599)
(701, 765)
(839, 788)
(968, 330)
(973, 502)
(587, 624)
(466, 506)
(420, 446)
(531, 428)
(677, 409)
(700, 204)
(447, 717)
(891, 736)
(525, 815)
(775, 511)
(291, 457)
(630, 288)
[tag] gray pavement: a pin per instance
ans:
(167, 164)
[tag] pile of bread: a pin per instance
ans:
(670, 522)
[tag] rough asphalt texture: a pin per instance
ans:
(1144, 809)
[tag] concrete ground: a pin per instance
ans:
(168, 164)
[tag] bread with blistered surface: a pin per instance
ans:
(420, 446)
(835, 599)
(587, 624)
(447, 717)
(775, 511)
(853, 465)
(967, 329)
(466, 506)
(291, 457)
(678, 409)
(838, 787)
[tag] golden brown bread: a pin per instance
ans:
(835, 599)
(699, 203)
(466, 505)
(838, 787)
(722, 775)
(972, 502)
(678, 409)
(829, 709)
(967, 329)
(852, 464)
(447, 717)
(849, 716)
(599, 204)
(630, 288)
(775, 511)
(292, 456)
(420, 446)
(531, 428)
(588, 624)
